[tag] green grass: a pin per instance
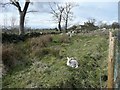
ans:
(50, 69)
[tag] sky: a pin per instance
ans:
(105, 11)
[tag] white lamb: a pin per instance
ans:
(70, 33)
(72, 62)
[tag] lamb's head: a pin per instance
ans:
(68, 58)
(72, 58)
(68, 61)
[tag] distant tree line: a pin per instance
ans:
(90, 26)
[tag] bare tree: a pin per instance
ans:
(91, 20)
(22, 14)
(4, 16)
(68, 14)
(5, 21)
(57, 13)
(13, 20)
(90, 25)
(103, 24)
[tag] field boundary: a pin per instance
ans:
(111, 59)
(113, 62)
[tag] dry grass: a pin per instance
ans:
(10, 55)
(42, 41)
(64, 39)
(37, 45)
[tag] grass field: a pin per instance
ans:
(41, 62)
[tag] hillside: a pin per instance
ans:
(41, 62)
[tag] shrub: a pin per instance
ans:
(36, 42)
(42, 41)
(38, 45)
(47, 38)
(64, 39)
(10, 56)
(12, 38)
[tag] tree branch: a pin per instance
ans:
(26, 6)
(53, 11)
(4, 4)
(16, 3)
(31, 11)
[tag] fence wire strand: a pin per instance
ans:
(117, 62)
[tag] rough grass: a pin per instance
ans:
(47, 64)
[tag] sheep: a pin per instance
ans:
(61, 33)
(71, 33)
(41, 33)
(72, 62)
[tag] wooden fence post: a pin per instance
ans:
(110, 82)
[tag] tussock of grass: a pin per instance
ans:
(10, 56)
(42, 41)
(64, 39)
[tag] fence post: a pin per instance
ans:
(110, 82)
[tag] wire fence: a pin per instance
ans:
(117, 55)
(117, 62)
(114, 59)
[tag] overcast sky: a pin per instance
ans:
(101, 11)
